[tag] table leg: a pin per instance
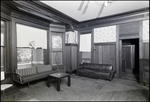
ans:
(58, 84)
(69, 80)
(49, 83)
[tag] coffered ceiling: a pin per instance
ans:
(89, 10)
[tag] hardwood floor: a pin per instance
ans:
(116, 90)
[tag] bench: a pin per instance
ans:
(28, 75)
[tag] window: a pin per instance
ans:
(85, 47)
(57, 57)
(31, 43)
(85, 43)
(3, 45)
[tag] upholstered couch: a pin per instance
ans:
(28, 75)
(93, 70)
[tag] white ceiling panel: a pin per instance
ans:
(70, 8)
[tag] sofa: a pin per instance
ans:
(28, 75)
(94, 70)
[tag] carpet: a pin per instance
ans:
(81, 89)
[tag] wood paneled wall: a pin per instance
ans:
(145, 50)
(105, 54)
(71, 56)
(129, 30)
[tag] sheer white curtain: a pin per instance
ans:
(85, 43)
(27, 34)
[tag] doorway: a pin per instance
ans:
(130, 59)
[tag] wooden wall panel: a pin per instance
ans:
(74, 57)
(100, 55)
(106, 54)
(129, 30)
(68, 60)
(113, 55)
(71, 57)
(96, 55)
(57, 28)
(146, 50)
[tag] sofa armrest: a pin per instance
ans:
(112, 73)
(17, 78)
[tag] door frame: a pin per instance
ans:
(92, 44)
(120, 54)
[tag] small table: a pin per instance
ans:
(58, 76)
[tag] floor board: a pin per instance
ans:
(116, 90)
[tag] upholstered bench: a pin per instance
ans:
(94, 70)
(28, 75)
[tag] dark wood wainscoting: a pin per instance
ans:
(71, 56)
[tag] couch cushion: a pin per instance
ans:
(37, 76)
(95, 66)
(105, 67)
(43, 68)
(26, 71)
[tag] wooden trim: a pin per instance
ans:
(13, 45)
(86, 31)
(105, 43)
(114, 20)
(63, 52)
(71, 44)
(120, 58)
(128, 36)
(92, 46)
(117, 52)
(141, 55)
(5, 16)
(29, 23)
(50, 46)
(78, 58)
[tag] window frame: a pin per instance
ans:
(4, 46)
(33, 26)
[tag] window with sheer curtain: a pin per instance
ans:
(85, 42)
(31, 42)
